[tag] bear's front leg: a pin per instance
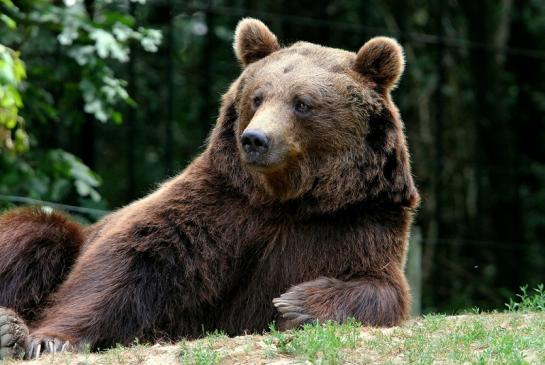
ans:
(378, 299)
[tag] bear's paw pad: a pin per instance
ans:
(13, 335)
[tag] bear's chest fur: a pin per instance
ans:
(288, 252)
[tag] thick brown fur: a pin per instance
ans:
(382, 60)
(322, 226)
(37, 251)
(253, 41)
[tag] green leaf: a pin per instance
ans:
(9, 22)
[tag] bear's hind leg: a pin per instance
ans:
(16, 343)
(13, 335)
(37, 250)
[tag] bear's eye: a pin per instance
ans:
(302, 108)
(256, 101)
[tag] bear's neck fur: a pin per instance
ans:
(378, 174)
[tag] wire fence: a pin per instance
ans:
(426, 241)
(419, 37)
(59, 206)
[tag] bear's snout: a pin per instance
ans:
(266, 142)
(255, 144)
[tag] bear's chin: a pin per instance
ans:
(282, 182)
(264, 169)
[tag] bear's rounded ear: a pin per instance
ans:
(381, 59)
(253, 41)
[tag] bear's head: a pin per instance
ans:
(313, 124)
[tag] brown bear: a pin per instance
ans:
(298, 210)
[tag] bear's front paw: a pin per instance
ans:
(39, 344)
(13, 335)
(291, 306)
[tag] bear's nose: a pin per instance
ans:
(254, 142)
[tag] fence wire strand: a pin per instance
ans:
(419, 37)
(424, 240)
(65, 207)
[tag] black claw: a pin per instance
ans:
(291, 315)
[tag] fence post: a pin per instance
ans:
(131, 115)
(413, 269)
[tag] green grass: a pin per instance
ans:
(528, 302)
(509, 338)
(318, 343)
(516, 336)
(203, 352)
(472, 339)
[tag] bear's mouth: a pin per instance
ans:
(273, 159)
(263, 166)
